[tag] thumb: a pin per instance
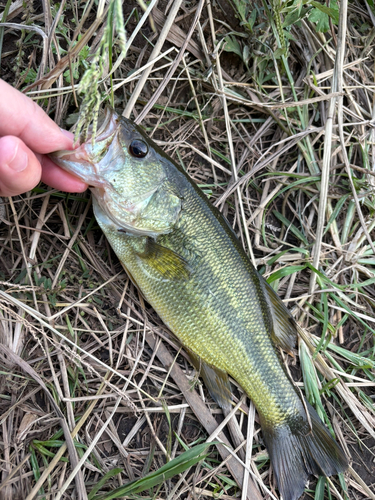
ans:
(20, 170)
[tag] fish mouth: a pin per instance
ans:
(83, 162)
(107, 127)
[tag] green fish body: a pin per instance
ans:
(190, 267)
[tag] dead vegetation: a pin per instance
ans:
(274, 120)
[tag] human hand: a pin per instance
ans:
(27, 134)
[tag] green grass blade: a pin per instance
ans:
(102, 482)
(276, 257)
(320, 487)
(285, 271)
(3, 20)
(291, 226)
(170, 469)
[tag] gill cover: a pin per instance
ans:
(127, 176)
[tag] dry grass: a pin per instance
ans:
(94, 392)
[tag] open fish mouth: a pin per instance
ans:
(108, 126)
(84, 162)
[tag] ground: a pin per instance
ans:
(284, 154)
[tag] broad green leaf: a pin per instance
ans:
(332, 11)
(293, 17)
(232, 45)
(320, 19)
(321, 14)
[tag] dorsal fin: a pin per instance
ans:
(284, 331)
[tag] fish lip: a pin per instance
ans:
(80, 161)
(66, 161)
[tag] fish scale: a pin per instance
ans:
(191, 268)
(207, 327)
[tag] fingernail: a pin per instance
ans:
(70, 136)
(19, 161)
(67, 134)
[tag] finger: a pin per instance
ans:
(23, 118)
(20, 170)
(57, 178)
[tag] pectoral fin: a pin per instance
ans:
(216, 381)
(167, 262)
(284, 332)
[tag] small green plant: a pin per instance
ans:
(79, 65)
(281, 16)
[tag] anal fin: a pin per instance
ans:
(216, 381)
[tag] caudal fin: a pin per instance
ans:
(295, 452)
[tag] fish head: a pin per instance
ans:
(128, 176)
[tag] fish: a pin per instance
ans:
(186, 260)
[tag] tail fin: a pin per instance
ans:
(296, 451)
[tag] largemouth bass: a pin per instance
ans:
(190, 267)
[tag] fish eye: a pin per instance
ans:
(138, 149)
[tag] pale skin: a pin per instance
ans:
(27, 135)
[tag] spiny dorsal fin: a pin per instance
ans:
(167, 262)
(216, 381)
(284, 332)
